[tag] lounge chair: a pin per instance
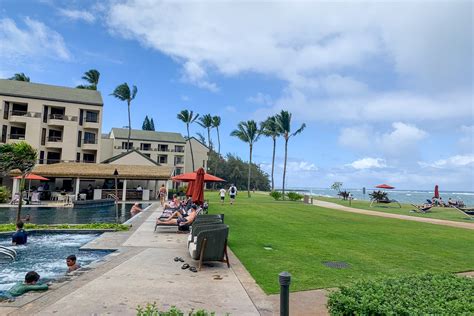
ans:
(197, 228)
(469, 212)
(210, 245)
(425, 208)
(35, 198)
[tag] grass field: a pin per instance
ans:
(447, 213)
(305, 236)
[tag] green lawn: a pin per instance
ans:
(304, 236)
(447, 213)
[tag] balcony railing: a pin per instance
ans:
(89, 141)
(17, 136)
(55, 138)
(178, 150)
(53, 161)
(63, 117)
(91, 120)
(25, 113)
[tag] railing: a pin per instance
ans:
(25, 113)
(90, 120)
(63, 117)
(16, 136)
(55, 139)
(53, 161)
(89, 141)
(8, 253)
(178, 150)
(163, 149)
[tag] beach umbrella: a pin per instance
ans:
(191, 176)
(198, 190)
(32, 176)
(436, 192)
(189, 191)
(385, 186)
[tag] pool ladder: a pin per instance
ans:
(7, 253)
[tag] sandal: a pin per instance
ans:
(193, 269)
(185, 266)
(180, 259)
(176, 259)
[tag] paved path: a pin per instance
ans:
(390, 215)
(142, 271)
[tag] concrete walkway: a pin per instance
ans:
(142, 271)
(390, 215)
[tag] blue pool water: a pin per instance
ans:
(46, 254)
(64, 215)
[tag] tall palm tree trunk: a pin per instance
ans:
(284, 166)
(209, 137)
(273, 162)
(190, 147)
(218, 155)
(129, 127)
(250, 165)
(20, 201)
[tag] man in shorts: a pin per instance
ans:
(232, 193)
(183, 221)
(222, 192)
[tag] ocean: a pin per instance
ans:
(403, 196)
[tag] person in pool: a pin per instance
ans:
(135, 209)
(31, 284)
(71, 263)
(20, 237)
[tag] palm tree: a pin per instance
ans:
(188, 118)
(270, 128)
(283, 121)
(216, 122)
(92, 76)
(247, 132)
(20, 77)
(123, 93)
(206, 122)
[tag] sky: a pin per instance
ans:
(384, 88)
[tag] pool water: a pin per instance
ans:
(46, 254)
(63, 215)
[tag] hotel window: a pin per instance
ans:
(163, 159)
(162, 147)
(88, 158)
(145, 146)
(179, 149)
(89, 138)
(124, 145)
(92, 117)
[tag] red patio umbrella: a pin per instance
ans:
(191, 176)
(189, 191)
(385, 186)
(198, 190)
(436, 192)
(32, 176)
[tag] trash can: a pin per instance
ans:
(306, 199)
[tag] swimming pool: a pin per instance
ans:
(46, 254)
(63, 215)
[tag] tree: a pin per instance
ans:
(92, 77)
(201, 137)
(247, 132)
(206, 122)
(123, 93)
(336, 186)
(146, 124)
(19, 156)
(152, 125)
(270, 128)
(20, 77)
(284, 123)
(188, 118)
(216, 122)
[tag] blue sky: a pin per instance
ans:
(386, 89)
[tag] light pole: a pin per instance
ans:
(116, 174)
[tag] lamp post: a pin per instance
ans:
(116, 174)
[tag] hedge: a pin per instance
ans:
(424, 294)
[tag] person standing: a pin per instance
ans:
(222, 192)
(232, 193)
(19, 237)
(162, 194)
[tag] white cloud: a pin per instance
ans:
(450, 162)
(195, 74)
(402, 139)
(299, 166)
(77, 15)
(368, 163)
(261, 98)
(35, 41)
(357, 137)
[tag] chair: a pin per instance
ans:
(210, 245)
(469, 212)
(425, 208)
(387, 201)
(83, 196)
(35, 198)
(54, 196)
(197, 228)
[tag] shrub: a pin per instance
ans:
(425, 294)
(152, 310)
(344, 194)
(4, 194)
(293, 196)
(276, 195)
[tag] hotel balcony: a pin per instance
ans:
(61, 119)
(54, 142)
(91, 123)
(90, 144)
(19, 116)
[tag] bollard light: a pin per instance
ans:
(285, 279)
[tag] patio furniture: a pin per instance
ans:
(210, 245)
(469, 212)
(385, 201)
(54, 196)
(35, 198)
(197, 228)
(423, 208)
(82, 196)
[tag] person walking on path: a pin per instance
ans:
(222, 192)
(232, 193)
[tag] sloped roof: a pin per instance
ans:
(39, 91)
(126, 153)
(100, 171)
(153, 136)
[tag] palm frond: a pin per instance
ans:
(216, 121)
(303, 126)
(20, 77)
(122, 92)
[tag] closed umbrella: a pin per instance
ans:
(189, 191)
(198, 190)
(436, 192)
